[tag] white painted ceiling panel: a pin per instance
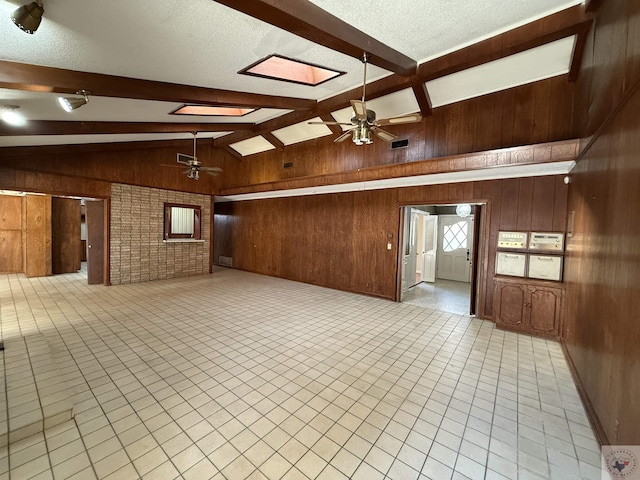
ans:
(395, 104)
(529, 66)
(302, 131)
(30, 140)
(252, 145)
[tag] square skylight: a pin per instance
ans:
(211, 110)
(277, 67)
(252, 145)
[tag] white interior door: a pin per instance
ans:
(430, 237)
(454, 248)
(412, 260)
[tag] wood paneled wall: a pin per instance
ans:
(36, 235)
(126, 163)
(339, 240)
(535, 113)
(65, 235)
(602, 265)
(10, 234)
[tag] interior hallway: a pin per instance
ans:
(236, 375)
(445, 295)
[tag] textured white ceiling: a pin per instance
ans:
(18, 140)
(203, 43)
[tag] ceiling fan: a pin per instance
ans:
(194, 166)
(364, 121)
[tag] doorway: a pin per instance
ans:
(440, 256)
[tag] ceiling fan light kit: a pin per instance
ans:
(69, 104)
(364, 124)
(28, 17)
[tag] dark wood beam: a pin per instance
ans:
(20, 76)
(576, 58)
(273, 140)
(309, 21)
(572, 21)
(45, 127)
(328, 118)
(422, 95)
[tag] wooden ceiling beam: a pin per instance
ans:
(35, 78)
(309, 21)
(572, 21)
(46, 127)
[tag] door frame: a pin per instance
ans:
(479, 245)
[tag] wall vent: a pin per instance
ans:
(225, 261)
(287, 165)
(400, 144)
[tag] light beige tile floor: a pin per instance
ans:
(240, 376)
(445, 295)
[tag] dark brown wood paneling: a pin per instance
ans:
(602, 264)
(10, 234)
(339, 240)
(65, 235)
(530, 114)
(36, 235)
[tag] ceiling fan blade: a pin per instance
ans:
(214, 173)
(210, 169)
(384, 135)
(414, 118)
(328, 123)
(343, 137)
(187, 171)
(360, 109)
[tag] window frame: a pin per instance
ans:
(197, 222)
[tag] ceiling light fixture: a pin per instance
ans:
(12, 117)
(71, 103)
(463, 210)
(28, 17)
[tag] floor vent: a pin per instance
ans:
(225, 261)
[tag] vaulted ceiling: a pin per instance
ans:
(142, 60)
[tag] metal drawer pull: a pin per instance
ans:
(545, 259)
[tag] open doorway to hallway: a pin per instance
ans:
(45, 235)
(439, 252)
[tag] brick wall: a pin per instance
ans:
(138, 253)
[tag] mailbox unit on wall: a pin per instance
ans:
(529, 295)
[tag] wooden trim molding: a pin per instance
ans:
(530, 154)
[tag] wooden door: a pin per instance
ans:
(454, 248)
(95, 240)
(65, 235)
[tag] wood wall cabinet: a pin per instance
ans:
(529, 306)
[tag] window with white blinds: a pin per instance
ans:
(182, 220)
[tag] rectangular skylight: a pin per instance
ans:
(252, 145)
(302, 131)
(538, 63)
(277, 67)
(210, 110)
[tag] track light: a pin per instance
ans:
(28, 17)
(71, 103)
(12, 117)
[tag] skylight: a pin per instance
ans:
(277, 67)
(302, 131)
(210, 110)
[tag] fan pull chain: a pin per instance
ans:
(364, 82)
